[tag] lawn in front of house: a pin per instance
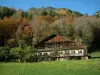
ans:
(68, 67)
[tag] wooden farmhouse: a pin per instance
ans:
(56, 47)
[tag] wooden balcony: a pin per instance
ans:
(58, 48)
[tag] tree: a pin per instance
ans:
(23, 55)
(27, 35)
(4, 53)
(30, 54)
(24, 34)
(6, 12)
(43, 12)
(19, 14)
(50, 11)
(31, 12)
(12, 42)
(64, 26)
(88, 28)
(97, 14)
(83, 28)
(40, 29)
(8, 27)
(17, 53)
(77, 14)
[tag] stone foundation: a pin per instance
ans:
(84, 58)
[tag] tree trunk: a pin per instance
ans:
(5, 59)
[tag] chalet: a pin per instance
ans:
(56, 47)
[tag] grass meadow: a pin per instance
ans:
(68, 67)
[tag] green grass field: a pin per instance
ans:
(68, 67)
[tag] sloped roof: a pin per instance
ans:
(45, 40)
(52, 38)
(58, 38)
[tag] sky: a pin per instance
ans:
(83, 6)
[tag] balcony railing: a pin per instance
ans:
(58, 48)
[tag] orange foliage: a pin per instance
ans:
(62, 11)
(46, 18)
(9, 26)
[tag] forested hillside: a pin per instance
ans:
(20, 30)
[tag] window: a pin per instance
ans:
(40, 53)
(61, 52)
(72, 52)
(45, 54)
(79, 51)
(68, 52)
(50, 53)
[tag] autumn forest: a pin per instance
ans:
(20, 29)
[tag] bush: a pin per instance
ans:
(4, 53)
(26, 54)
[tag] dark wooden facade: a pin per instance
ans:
(56, 47)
